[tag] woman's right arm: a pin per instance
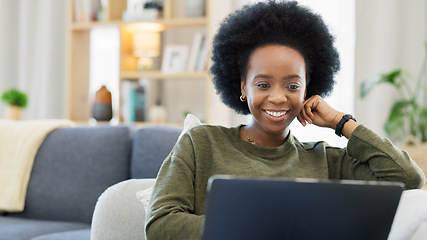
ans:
(171, 210)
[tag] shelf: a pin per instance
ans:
(183, 22)
(84, 26)
(166, 23)
(160, 75)
(171, 23)
(93, 122)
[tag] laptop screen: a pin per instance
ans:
(266, 208)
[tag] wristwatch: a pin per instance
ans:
(340, 125)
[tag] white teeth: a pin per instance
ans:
(276, 114)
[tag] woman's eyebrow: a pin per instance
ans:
(292, 76)
(262, 76)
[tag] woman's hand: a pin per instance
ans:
(316, 111)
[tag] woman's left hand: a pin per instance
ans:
(316, 111)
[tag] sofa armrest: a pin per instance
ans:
(411, 216)
(118, 213)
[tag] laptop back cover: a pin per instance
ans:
(254, 208)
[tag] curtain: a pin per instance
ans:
(33, 47)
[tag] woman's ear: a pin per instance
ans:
(243, 86)
(305, 93)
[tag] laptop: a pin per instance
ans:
(270, 208)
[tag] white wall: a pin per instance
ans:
(389, 34)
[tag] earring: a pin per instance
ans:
(242, 98)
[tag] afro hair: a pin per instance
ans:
(264, 23)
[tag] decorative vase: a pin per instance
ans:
(13, 112)
(102, 109)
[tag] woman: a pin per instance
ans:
(272, 60)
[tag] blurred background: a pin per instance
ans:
(42, 44)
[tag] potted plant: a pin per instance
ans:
(408, 115)
(16, 100)
(407, 121)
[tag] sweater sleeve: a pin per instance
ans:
(371, 157)
(171, 210)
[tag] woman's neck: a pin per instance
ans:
(255, 134)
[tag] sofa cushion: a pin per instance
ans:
(151, 146)
(26, 229)
(83, 234)
(73, 167)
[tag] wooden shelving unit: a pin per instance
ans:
(78, 107)
(158, 75)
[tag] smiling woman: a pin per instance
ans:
(273, 61)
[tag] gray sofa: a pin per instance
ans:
(73, 167)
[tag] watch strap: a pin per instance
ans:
(340, 125)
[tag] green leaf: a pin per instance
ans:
(394, 126)
(391, 78)
(423, 124)
(395, 129)
(367, 86)
(398, 109)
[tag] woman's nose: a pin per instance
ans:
(277, 96)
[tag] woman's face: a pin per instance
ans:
(275, 87)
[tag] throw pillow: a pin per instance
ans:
(144, 197)
(190, 122)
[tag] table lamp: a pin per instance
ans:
(146, 46)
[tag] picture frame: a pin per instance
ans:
(174, 58)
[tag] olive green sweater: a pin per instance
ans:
(177, 204)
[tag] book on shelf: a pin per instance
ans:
(201, 61)
(134, 101)
(86, 10)
(195, 51)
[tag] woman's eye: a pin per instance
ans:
(293, 87)
(262, 85)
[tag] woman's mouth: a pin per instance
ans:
(276, 114)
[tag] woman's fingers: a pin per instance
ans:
(303, 117)
(301, 120)
(310, 105)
